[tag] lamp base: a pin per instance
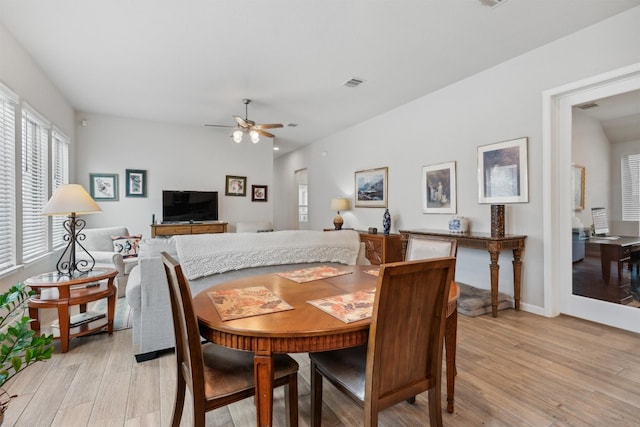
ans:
(337, 222)
(68, 265)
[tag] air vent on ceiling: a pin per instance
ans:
(492, 3)
(353, 82)
(587, 105)
(292, 125)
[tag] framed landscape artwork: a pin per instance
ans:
(502, 172)
(103, 186)
(235, 186)
(136, 185)
(439, 188)
(258, 193)
(371, 188)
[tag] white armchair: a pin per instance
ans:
(99, 243)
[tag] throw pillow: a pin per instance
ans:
(127, 246)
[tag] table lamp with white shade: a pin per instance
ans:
(339, 204)
(72, 200)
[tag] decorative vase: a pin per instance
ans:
(497, 220)
(386, 222)
(458, 224)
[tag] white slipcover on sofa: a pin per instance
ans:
(209, 259)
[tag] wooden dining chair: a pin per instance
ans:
(403, 356)
(427, 247)
(216, 376)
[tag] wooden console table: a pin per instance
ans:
(188, 228)
(494, 245)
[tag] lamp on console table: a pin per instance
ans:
(71, 200)
(339, 204)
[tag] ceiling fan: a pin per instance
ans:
(246, 126)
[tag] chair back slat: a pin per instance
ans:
(185, 325)
(407, 330)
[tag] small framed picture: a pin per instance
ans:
(103, 186)
(371, 188)
(258, 193)
(136, 185)
(502, 172)
(439, 188)
(235, 186)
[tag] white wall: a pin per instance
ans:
(501, 103)
(591, 149)
(176, 158)
(23, 76)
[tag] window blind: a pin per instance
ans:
(59, 176)
(35, 136)
(8, 102)
(630, 169)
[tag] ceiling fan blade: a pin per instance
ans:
(242, 122)
(264, 133)
(268, 126)
(220, 126)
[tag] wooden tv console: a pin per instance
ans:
(188, 228)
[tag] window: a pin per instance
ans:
(630, 169)
(8, 101)
(303, 203)
(35, 136)
(59, 176)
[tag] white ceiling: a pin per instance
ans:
(619, 116)
(192, 62)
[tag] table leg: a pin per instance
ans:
(63, 321)
(495, 270)
(517, 276)
(35, 316)
(111, 306)
(450, 338)
(263, 372)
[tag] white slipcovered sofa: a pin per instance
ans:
(99, 243)
(209, 259)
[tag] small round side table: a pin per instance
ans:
(78, 289)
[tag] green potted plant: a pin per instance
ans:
(19, 345)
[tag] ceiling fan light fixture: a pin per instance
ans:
(237, 135)
(255, 137)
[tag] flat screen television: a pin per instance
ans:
(189, 206)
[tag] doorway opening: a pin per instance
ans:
(559, 198)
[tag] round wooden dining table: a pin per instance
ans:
(303, 329)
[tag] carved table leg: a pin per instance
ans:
(517, 276)
(495, 270)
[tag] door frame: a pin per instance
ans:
(556, 153)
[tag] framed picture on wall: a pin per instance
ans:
(103, 186)
(235, 186)
(258, 193)
(371, 188)
(136, 185)
(439, 188)
(502, 172)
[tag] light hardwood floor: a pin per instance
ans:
(517, 370)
